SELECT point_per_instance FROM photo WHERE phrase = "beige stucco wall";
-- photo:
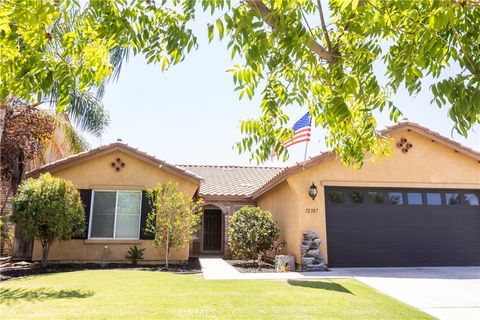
(282, 202)
(427, 165)
(106, 251)
(97, 173)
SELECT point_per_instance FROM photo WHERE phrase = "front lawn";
(127, 294)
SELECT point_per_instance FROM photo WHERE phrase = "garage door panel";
(403, 234)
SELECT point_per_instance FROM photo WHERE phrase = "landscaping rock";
(312, 259)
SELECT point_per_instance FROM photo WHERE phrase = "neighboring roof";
(231, 182)
(405, 125)
(83, 156)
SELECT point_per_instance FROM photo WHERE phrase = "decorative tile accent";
(404, 145)
(118, 164)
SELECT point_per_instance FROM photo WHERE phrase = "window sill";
(112, 241)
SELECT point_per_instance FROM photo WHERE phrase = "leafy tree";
(61, 52)
(252, 232)
(174, 219)
(48, 209)
(32, 137)
(307, 53)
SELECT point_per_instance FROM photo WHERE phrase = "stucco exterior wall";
(282, 202)
(105, 251)
(427, 165)
(97, 173)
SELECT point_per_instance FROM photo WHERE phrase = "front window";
(116, 214)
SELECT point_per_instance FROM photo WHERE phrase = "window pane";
(128, 212)
(103, 214)
(355, 197)
(434, 199)
(452, 198)
(335, 197)
(395, 198)
(471, 199)
(375, 197)
(414, 198)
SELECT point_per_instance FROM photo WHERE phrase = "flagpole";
(305, 156)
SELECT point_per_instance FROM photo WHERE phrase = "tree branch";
(470, 64)
(266, 15)
(324, 26)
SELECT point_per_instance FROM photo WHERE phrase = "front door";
(212, 230)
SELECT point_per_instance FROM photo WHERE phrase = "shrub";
(48, 209)
(134, 254)
(252, 233)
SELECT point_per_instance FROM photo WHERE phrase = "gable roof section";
(406, 125)
(115, 146)
(231, 182)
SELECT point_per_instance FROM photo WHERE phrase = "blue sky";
(190, 113)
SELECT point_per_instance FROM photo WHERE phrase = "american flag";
(301, 130)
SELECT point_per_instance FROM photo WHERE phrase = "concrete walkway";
(447, 293)
(218, 269)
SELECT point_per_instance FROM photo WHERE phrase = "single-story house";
(417, 207)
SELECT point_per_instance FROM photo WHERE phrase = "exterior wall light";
(313, 191)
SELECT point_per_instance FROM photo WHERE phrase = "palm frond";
(72, 141)
(88, 113)
(118, 56)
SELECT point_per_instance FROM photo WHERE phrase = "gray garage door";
(402, 227)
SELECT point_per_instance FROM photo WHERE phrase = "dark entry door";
(402, 227)
(212, 230)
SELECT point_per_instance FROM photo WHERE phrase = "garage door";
(402, 227)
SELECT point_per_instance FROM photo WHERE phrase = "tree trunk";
(167, 249)
(45, 249)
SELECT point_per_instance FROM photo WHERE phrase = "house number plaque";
(311, 210)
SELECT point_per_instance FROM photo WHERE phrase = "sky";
(190, 114)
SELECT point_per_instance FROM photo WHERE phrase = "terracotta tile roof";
(231, 181)
(118, 145)
(404, 125)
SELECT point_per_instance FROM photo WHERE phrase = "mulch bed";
(251, 266)
(25, 269)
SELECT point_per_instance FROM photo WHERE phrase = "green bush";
(134, 254)
(252, 233)
(48, 209)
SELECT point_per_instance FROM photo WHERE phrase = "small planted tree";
(174, 219)
(48, 209)
(252, 233)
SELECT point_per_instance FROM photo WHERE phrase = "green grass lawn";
(123, 294)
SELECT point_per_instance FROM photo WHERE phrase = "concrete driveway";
(443, 292)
